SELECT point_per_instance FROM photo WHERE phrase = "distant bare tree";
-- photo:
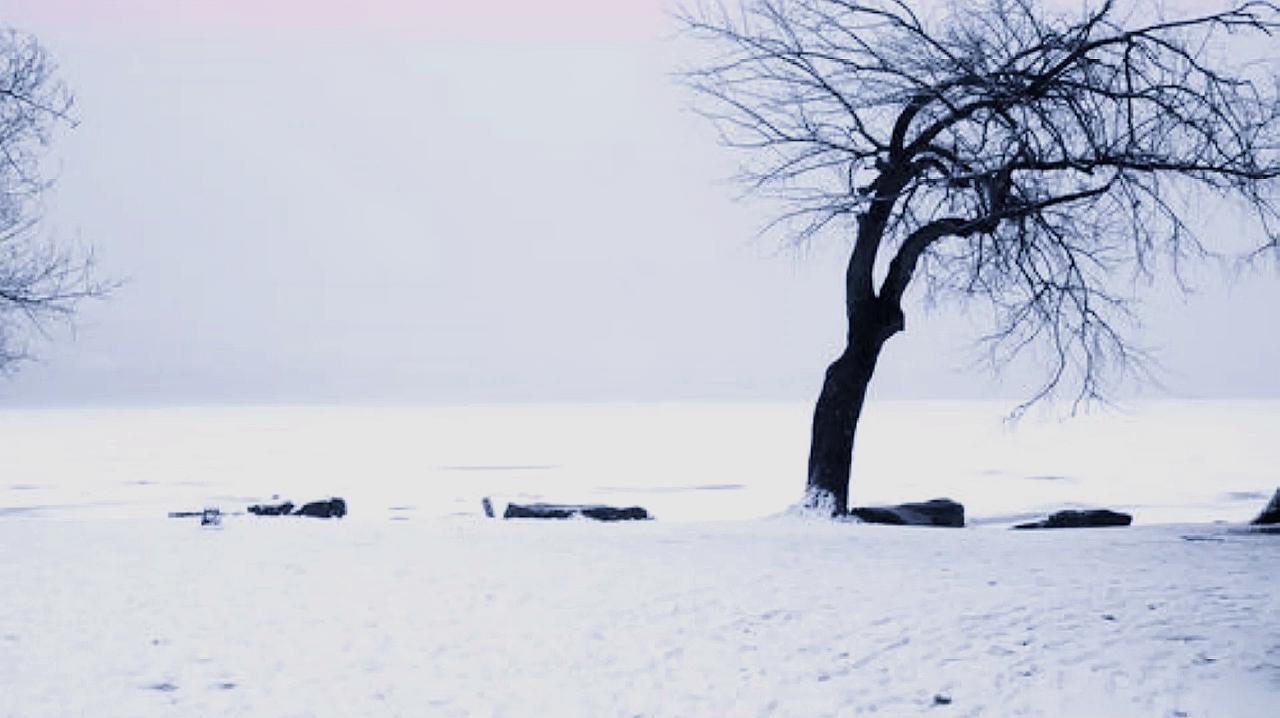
(994, 151)
(39, 281)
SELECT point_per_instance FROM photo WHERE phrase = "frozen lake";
(1165, 462)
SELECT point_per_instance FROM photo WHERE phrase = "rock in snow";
(281, 509)
(936, 512)
(1080, 519)
(564, 511)
(334, 508)
(1271, 514)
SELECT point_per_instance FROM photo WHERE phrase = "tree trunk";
(872, 320)
(835, 418)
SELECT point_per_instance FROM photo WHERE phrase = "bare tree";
(39, 281)
(994, 151)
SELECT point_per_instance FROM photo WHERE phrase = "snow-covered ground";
(466, 617)
(417, 606)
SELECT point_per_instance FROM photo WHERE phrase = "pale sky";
(460, 202)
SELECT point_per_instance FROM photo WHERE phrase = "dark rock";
(564, 511)
(611, 513)
(334, 508)
(936, 512)
(487, 505)
(1080, 519)
(281, 509)
(1271, 514)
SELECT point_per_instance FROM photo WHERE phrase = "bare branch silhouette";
(997, 152)
(40, 282)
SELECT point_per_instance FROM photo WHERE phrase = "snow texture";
(475, 617)
(417, 605)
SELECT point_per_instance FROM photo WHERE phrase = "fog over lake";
(421, 206)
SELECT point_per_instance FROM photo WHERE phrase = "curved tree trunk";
(872, 320)
(835, 418)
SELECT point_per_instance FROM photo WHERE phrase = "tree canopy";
(40, 281)
(1013, 154)
(997, 151)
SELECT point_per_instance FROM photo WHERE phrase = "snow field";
(778, 617)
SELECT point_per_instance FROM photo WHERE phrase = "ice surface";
(1162, 462)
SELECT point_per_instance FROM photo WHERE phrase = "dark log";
(1080, 519)
(281, 509)
(208, 517)
(565, 511)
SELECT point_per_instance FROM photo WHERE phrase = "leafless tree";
(996, 151)
(39, 281)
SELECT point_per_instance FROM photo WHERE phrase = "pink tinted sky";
(504, 16)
